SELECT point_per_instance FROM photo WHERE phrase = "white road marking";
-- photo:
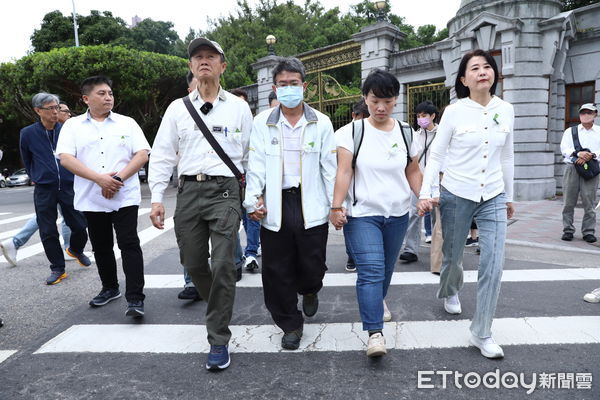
(5, 213)
(404, 278)
(4, 354)
(16, 219)
(134, 338)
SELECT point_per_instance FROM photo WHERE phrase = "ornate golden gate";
(325, 92)
(436, 92)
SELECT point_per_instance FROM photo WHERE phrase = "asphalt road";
(36, 315)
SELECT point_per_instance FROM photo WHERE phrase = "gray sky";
(19, 18)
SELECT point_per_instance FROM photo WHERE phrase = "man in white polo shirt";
(208, 199)
(105, 151)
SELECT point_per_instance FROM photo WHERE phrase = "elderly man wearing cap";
(573, 184)
(208, 198)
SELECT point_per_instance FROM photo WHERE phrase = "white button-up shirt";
(292, 150)
(588, 138)
(180, 142)
(104, 147)
(475, 145)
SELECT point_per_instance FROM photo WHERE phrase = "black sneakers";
(291, 340)
(310, 304)
(81, 258)
(408, 257)
(135, 309)
(105, 296)
(589, 238)
(567, 236)
(189, 293)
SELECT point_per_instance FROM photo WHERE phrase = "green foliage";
(144, 83)
(573, 4)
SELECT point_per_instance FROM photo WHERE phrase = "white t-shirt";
(381, 185)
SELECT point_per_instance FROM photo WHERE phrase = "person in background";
(474, 142)
(273, 102)
(64, 113)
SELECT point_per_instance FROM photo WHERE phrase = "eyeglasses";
(66, 111)
(50, 108)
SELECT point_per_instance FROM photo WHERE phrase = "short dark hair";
(289, 64)
(240, 93)
(188, 77)
(63, 102)
(361, 108)
(89, 83)
(426, 107)
(272, 96)
(382, 84)
(461, 90)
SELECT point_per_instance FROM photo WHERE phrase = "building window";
(497, 54)
(577, 95)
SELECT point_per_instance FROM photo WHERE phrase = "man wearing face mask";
(426, 112)
(573, 184)
(291, 173)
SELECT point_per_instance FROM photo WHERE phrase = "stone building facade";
(549, 61)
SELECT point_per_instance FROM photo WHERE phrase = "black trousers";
(293, 262)
(45, 199)
(124, 221)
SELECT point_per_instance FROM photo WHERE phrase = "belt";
(292, 190)
(201, 177)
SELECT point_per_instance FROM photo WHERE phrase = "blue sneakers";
(218, 358)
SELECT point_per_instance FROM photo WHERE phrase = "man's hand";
(586, 155)
(107, 183)
(157, 215)
(423, 206)
(510, 210)
(107, 194)
(580, 161)
(260, 211)
(338, 218)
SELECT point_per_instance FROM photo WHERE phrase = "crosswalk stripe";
(30, 251)
(4, 354)
(5, 213)
(16, 219)
(404, 278)
(136, 338)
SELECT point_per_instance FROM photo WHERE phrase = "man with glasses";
(291, 173)
(53, 187)
(64, 113)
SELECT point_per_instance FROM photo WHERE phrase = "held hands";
(109, 185)
(426, 205)
(338, 218)
(157, 215)
(510, 210)
(260, 211)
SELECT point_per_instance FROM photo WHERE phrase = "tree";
(573, 4)
(144, 84)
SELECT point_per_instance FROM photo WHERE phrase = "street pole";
(75, 25)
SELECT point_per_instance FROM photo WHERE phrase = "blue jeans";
(427, 223)
(252, 229)
(457, 214)
(374, 244)
(31, 227)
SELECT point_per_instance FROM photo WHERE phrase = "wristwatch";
(117, 177)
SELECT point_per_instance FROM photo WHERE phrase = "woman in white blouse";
(475, 143)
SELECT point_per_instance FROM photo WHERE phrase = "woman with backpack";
(474, 142)
(377, 169)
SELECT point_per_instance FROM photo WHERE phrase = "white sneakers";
(428, 239)
(592, 297)
(452, 305)
(9, 251)
(387, 315)
(488, 346)
(376, 345)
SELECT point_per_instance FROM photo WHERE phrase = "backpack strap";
(576, 143)
(408, 138)
(357, 136)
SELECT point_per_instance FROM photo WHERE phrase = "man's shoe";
(589, 238)
(135, 309)
(408, 257)
(310, 304)
(291, 340)
(567, 236)
(9, 251)
(387, 315)
(593, 296)
(350, 266)
(488, 346)
(189, 293)
(81, 258)
(250, 264)
(452, 305)
(238, 274)
(428, 239)
(104, 297)
(55, 277)
(259, 251)
(218, 358)
(472, 242)
(376, 345)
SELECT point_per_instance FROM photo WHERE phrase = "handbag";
(241, 178)
(590, 169)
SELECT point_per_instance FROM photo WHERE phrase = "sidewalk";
(539, 224)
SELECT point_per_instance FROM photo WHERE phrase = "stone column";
(263, 67)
